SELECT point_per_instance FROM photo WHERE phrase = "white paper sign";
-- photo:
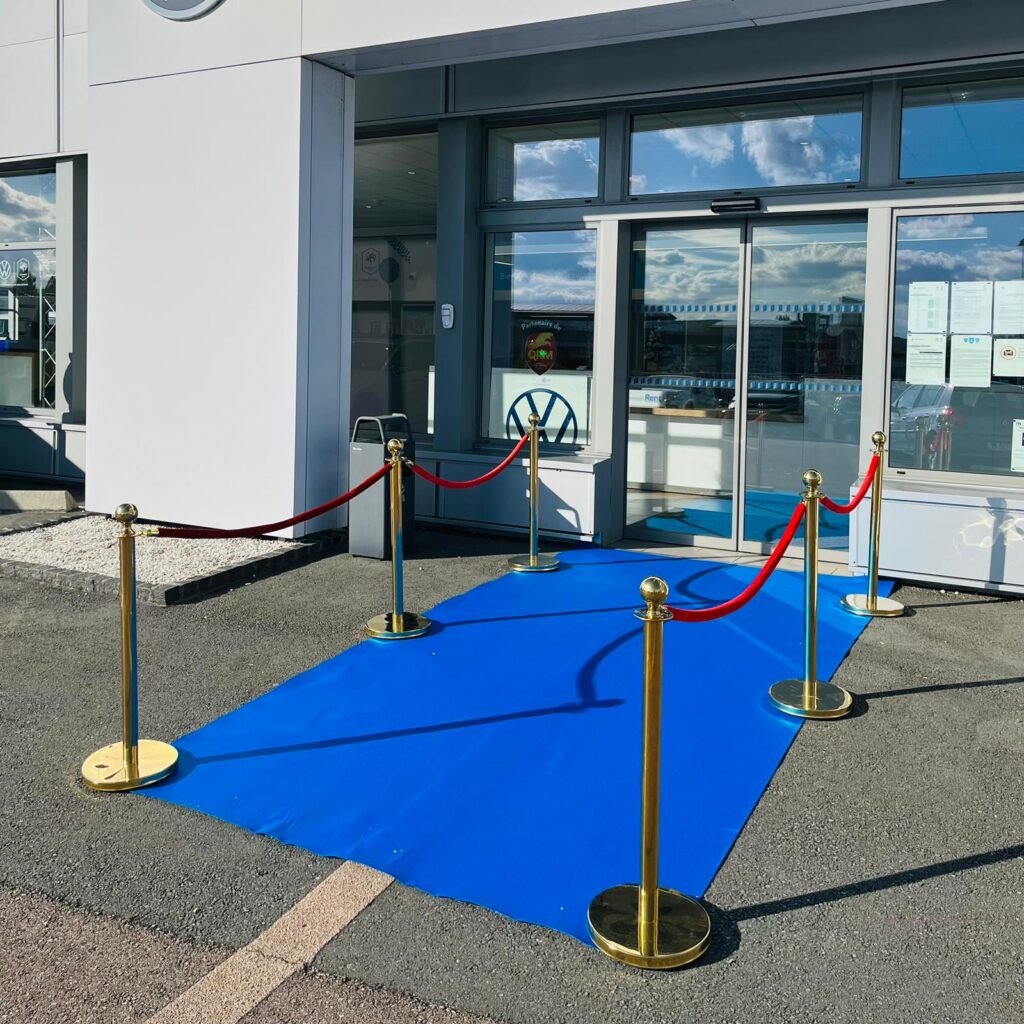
(971, 307)
(1009, 308)
(970, 361)
(926, 358)
(1008, 357)
(1017, 447)
(928, 307)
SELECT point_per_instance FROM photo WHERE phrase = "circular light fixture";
(181, 10)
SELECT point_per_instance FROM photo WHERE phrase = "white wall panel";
(25, 21)
(28, 109)
(128, 40)
(194, 198)
(75, 89)
(76, 16)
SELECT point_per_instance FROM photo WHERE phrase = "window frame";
(948, 481)
(855, 88)
(961, 78)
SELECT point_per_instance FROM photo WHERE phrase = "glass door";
(684, 315)
(745, 356)
(804, 357)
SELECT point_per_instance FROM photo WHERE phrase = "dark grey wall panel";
(852, 43)
(400, 94)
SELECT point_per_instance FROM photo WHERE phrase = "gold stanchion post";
(871, 604)
(397, 624)
(534, 561)
(132, 762)
(644, 925)
(809, 697)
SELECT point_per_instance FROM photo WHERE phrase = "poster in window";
(970, 361)
(971, 307)
(1017, 447)
(928, 307)
(1008, 316)
(1008, 358)
(926, 358)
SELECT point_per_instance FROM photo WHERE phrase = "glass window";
(548, 161)
(541, 334)
(970, 128)
(957, 399)
(28, 327)
(796, 142)
(395, 278)
(28, 207)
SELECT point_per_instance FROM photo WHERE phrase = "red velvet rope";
(258, 531)
(718, 611)
(865, 486)
(460, 485)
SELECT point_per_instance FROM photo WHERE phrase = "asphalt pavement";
(880, 878)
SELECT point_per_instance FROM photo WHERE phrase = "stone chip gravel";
(89, 544)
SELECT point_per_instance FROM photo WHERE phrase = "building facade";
(712, 244)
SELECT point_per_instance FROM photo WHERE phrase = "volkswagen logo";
(181, 10)
(6, 270)
(556, 416)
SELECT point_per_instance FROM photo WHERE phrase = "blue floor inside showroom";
(497, 760)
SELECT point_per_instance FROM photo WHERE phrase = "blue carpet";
(497, 760)
(767, 513)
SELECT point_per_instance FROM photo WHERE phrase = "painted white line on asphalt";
(246, 978)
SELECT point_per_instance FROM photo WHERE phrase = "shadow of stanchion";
(911, 691)
(878, 884)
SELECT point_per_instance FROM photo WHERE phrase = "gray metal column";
(457, 372)
(69, 401)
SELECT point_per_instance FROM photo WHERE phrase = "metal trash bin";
(369, 528)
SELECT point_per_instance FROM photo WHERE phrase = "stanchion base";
(106, 769)
(522, 563)
(885, 607)
(380, 626)
(832, 701)
(684, 928)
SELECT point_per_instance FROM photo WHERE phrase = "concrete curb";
(186, 591)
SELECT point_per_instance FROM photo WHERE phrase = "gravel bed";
(89, 545)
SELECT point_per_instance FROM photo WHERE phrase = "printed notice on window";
(928, 307)
(1017, 447)
(1008, 357)
(970, 361)
(1009, 308)
(926, 358)
(971, 307)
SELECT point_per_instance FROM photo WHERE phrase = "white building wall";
(28, 78)
(204, 323)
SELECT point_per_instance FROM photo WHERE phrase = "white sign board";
(971, 307)
(970, 361)
(1017, 447)
(561, 398)
(1009, 308)
(1008, 357)
(926, 358)
(928, 307)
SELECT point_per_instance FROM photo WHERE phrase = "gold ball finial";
(534, 419)
(126, 513)
(396, 445)
(654, 590)
(812, 479)
(878, 439)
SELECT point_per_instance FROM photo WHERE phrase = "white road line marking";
(246, 978)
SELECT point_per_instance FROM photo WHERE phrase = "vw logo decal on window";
(181, 10)
(557, 416)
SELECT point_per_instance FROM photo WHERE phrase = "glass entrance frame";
(760, 378)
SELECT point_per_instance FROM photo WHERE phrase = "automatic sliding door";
(804, 366)
(684, 310)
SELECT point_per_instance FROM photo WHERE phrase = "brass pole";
(398, 624)
(809, 697)
(872, 605)
(534, 561)
(132, 762)
(129, 648)
(644, 925)
(654, 627)
(812, 502)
